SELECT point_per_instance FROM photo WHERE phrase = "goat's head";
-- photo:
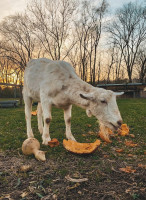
(102, 104)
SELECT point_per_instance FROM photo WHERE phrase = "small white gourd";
(32, 146)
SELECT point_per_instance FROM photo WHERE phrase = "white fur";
(55, 83)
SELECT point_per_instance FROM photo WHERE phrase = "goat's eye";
(103, 101)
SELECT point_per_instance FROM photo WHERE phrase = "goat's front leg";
(28, 109)
(46, 108)
(40, 118)
(67, 118)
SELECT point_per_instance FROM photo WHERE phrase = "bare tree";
(17, 43)
(128, 30)
(88, 30)
(141, 65)
(52, 22)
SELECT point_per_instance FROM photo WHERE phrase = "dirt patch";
(46, 180)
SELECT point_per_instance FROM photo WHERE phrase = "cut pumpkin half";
(81, 148)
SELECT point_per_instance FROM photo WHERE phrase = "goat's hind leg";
(28, 109)
(40, 118)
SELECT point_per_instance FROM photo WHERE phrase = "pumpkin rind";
(105, 135)
(80, 148)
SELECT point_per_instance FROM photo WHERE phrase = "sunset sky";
(9, 7)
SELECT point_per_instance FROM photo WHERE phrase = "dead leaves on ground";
(130, 143)
(119, 150)
(127, 169)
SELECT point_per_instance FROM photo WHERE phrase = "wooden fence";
(15, 86)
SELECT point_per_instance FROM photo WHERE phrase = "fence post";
(15, 92)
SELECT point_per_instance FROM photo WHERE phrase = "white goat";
(55, 83)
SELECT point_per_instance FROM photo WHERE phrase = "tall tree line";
(73, 31)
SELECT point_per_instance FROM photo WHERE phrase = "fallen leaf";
(76, 180)
(119, 150)
(33, 113)
(25, 168)
(130, 143)
(53, 143)
(130, 155)
(7, 196)
(24, 194)
(106, 156)
(91, 133)
(141, 165)
(74, 186)
(84, 135)
(132, 135)
(127, 169)
(144, 152)
(89, 125)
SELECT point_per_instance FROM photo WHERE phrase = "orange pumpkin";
(124, 130)
(104, 135)
(81, 148)
(53, 143)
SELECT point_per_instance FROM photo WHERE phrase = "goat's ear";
(119, 93)
(87, 96)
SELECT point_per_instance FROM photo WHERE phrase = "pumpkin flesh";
(81, 148)
(124, 130)
(104, 134)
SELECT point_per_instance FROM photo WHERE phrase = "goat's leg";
(67, 119)
(40, 118)
(28, 109)
(46, 108)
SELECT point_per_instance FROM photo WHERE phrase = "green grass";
(13, 127)
(102, 168)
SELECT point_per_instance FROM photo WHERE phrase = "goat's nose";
(119, 122)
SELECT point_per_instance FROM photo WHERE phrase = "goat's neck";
(78, 87)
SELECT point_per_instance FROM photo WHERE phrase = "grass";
(13, 128)
(101, 168)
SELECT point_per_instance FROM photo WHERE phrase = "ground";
(103, 169)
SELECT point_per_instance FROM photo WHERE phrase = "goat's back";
(42, 72)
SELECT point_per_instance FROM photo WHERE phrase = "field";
(47, 180)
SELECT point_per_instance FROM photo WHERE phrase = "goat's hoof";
(71, 138)
(45, 141)
(30, 135)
